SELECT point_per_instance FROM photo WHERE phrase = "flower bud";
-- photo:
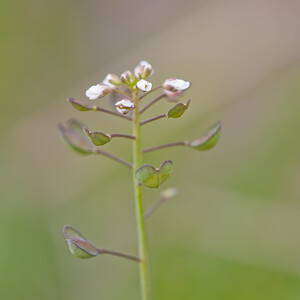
(127, 77)
(97, 91)
(143, 69)
(174, 84)
(144, 86)
(111, 80)
(173, 96)
(124, 106)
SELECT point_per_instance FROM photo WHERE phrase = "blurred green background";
(233, 230)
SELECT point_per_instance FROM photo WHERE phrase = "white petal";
(126, 103)
(93, 92)
(106, 81)
(144, 85)
(174, 84)
(124, 106)
(181, 85)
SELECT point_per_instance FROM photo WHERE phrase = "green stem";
(141, 231)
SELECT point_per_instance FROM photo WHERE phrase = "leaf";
(97, 138)
(78, 245)
(209, 139)
(73, 135)
(79, 105)
(178, 110)
(150, 177)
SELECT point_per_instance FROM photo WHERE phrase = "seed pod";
(77, 243)
(209, 139)
(79, 105)
(152, 177)
(73, 135)
(178, 110)
(97, 138)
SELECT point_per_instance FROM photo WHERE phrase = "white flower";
(97, 91)
(124, 106)
(143, 69)
(174, 84)
(111, 80)
(144, 85)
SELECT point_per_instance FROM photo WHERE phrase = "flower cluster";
(135, 81)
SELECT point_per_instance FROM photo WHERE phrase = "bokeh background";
(233, 230)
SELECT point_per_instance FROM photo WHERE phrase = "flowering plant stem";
(141, 230)
(85, 141)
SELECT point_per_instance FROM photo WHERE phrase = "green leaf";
(79, 105)
(178, 110)
(209, 139)
(73, 135)
(77, 243)
(150, 177)
(98, 138)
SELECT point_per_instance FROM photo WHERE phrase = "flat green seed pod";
(150, 177)
(165, 171)
(209, 139)
(79, 105)
(97, 138)
(178, 110)
(147, 176)
(78, 245)
(73, 135)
